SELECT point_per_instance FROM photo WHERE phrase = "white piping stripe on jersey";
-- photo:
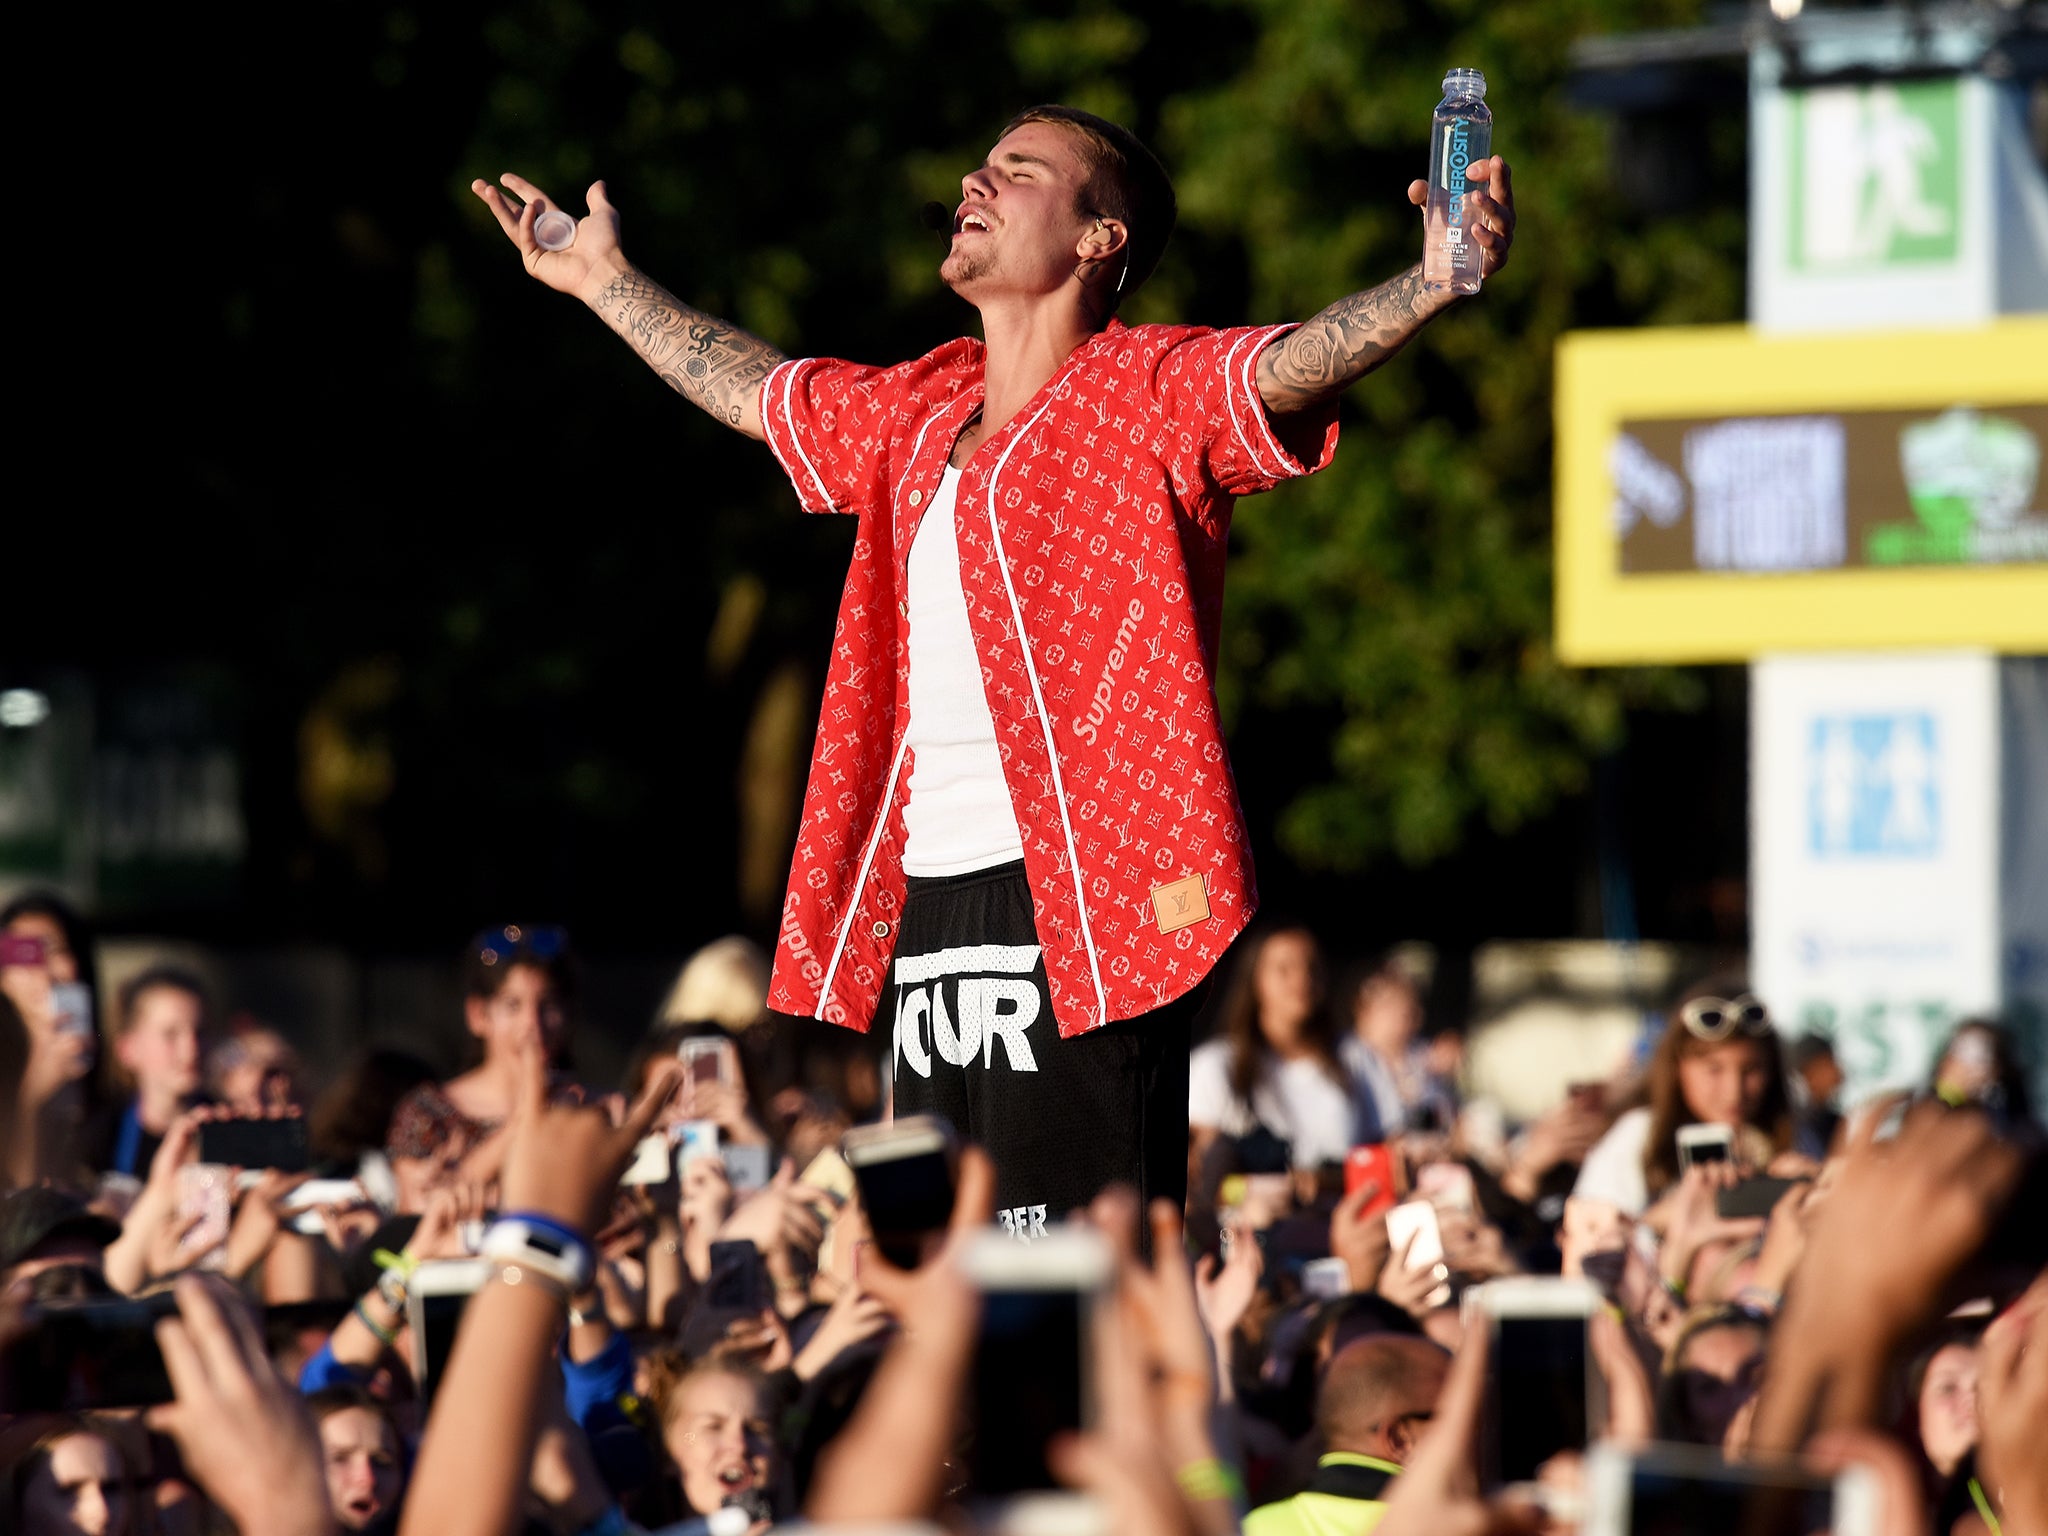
(968, 960)
(1230, 385)
(915, 449)
(860, 880)
(789, 425)
(1052, 755)
(1258, 404)
(766, 412)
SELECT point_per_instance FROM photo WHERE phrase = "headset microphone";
(935, 217)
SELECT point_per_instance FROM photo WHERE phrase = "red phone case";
(1372, 1164)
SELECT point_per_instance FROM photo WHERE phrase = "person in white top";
(1719, 1063)
(1408, 1088)
(1274, 1063)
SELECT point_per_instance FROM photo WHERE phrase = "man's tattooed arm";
(1344, 343)
(706, 361)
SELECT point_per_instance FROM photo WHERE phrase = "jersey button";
(917, 498)
(881, 930)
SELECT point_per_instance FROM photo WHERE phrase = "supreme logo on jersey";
(972, 1003)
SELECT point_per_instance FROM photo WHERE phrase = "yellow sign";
(1722, 494)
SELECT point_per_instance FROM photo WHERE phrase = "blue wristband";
(549, 1225)
(544, 1245)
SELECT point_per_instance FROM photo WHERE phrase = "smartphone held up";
(102, 1353)
(1033, 1365)
(905, 1172)
(1417, 1240)
(436, 1294)
(1685, 1490)
(1700, 1144)
(274, 1141)
(707, 1061)
(1545, 1394)
(1372, 1163)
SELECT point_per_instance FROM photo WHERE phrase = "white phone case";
(439, 1277)
(653, 1161)
(1416, 1219)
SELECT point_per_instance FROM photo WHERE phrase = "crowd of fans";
(1283, 1355)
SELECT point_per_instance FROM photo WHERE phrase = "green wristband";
(1207, 1479)
(385, 1336)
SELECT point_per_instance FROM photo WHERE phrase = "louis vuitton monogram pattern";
(1091, 530)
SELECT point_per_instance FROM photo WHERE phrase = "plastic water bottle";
(1460, 134)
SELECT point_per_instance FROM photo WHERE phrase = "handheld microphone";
(936, 217)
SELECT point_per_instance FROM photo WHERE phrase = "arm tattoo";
(1343, 344)
(709, 363)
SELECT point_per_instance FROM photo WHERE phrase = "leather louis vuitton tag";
(1180, 903)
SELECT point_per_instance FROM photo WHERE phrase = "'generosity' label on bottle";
(1457, 155)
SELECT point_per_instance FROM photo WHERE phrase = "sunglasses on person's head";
(514, 941)
(1716, 1018)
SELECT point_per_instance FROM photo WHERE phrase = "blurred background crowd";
(1295, 1337)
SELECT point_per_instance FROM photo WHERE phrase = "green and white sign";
(1892, 181)
(1876, 175)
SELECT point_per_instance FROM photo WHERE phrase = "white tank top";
(958, 817)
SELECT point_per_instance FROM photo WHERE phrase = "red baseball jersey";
(1091, 529)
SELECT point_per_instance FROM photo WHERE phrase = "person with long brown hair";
(1719, 1063)
(1273, 1063)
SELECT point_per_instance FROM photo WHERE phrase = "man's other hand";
(581, 269)
(1492, 211)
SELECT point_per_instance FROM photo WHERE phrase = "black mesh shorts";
(973, 1039)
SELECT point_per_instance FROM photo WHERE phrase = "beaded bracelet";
(1759, 1299)
(385, 1336)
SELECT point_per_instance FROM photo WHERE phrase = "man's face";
(718, 1439)
(161, 1047)
(364, 1476)
(1019, 228)
(525, 1008)
(1823, 1079)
